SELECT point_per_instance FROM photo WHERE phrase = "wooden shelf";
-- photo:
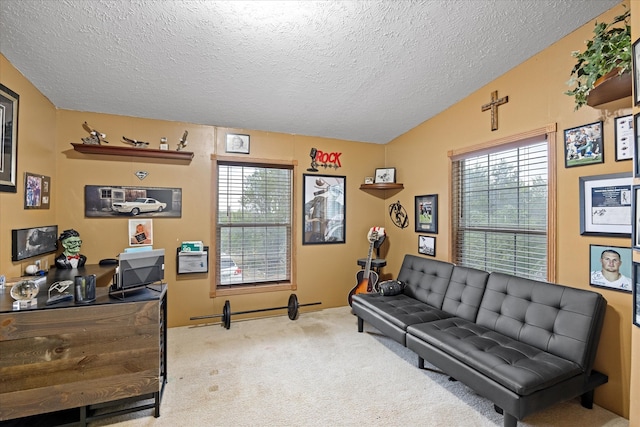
(611, 89)
(386, 186)
(132, 152)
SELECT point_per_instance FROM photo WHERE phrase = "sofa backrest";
(425, 279)
(558, 319)
(465, 291)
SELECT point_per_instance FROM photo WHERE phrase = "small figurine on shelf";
(95, 138)
(135, 142)
(70, 256)
(183, 142)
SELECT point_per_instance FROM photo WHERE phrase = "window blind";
(500, 207)
(253, 226)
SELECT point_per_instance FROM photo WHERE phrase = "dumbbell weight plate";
(226, 315)
(292, 307)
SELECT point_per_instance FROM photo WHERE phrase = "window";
(501, 208)
(253, 226)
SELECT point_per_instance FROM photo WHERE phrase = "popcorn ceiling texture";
(357, 70)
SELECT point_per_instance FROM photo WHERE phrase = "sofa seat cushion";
(400, 310)
(520, 367)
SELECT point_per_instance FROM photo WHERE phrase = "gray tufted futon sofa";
(523, 344)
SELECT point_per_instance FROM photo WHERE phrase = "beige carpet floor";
(319, 371)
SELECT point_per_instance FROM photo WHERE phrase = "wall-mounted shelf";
(132, 152)
(384, 186)
(611, 89)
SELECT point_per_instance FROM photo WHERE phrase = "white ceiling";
(357, 70)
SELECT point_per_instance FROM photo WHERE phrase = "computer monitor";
(138, 269)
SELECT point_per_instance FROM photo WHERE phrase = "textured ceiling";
(356, 70)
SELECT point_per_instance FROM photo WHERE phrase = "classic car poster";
(115, 201)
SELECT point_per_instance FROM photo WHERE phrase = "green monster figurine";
(70, 256)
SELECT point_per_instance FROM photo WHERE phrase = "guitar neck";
(367, 266)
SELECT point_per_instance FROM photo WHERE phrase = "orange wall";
(326, 272)
(535, 90)
(36, 145)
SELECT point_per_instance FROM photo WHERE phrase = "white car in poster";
(141, 204)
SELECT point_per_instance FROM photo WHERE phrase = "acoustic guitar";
(366, 279)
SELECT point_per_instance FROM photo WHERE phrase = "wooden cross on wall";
(493, 106)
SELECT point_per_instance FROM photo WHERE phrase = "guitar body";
(365, 285)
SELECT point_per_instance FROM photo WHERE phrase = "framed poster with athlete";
(610, 267)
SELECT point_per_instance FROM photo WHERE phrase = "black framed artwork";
(9, 139)
(635, 217)
(605, 205)
(610, 267)
(37, 191)
(426, 213)
(636, 294)
(31, 242)
(624, 135)
(636, 72)
(427, 245)
(583, 145)
(636, 145)
(324, 206)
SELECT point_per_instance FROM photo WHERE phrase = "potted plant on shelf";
(607, 55)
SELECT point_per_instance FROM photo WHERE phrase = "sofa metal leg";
(420, 362)
(586, 400)
(510, 420)
(360, 325)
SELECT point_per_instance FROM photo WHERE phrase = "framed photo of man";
(426, 213)
(636, 294)
(583, 145)
(610, 267)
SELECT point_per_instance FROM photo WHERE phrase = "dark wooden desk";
(67, 356)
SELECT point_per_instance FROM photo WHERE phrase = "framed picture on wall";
(237, 143)
(635, 217)
(426, 213)
(636, 72)
(427, 245)
(324, 207)
(605, 205)
(625, 142)
(30, 242)
(37, 189)
(610, 267)
(9, 137)
(583, 145)
(636, 145)
(636, 294)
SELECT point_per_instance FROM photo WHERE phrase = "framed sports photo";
(426, 213)
(610, 267)
(605, 205)
(583, 145)
(427, 245)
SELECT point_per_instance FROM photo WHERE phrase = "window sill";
(252, 289)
